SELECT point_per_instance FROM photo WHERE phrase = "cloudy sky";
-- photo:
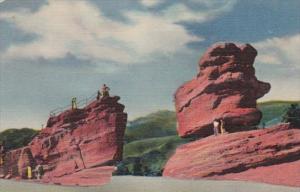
(52, 50)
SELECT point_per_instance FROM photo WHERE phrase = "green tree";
(292, 115)
(15, 138)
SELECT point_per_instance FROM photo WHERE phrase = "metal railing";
(80, 104)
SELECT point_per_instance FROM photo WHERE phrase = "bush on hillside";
(158, 124)
(292, 115)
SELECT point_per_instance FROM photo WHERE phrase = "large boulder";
(256, 155)
(77, 144)
(225, 88)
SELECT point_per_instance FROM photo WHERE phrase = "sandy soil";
(148, 184)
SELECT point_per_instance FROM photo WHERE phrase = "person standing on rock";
(74, 103)
(216, 125)
(105, 91)
(29, 172)
(39, 170)
(98, 95)
(222, 126)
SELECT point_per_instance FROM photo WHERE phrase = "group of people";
(104, 92)
(38, 172)
(219, 126)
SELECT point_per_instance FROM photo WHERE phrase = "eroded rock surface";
(225, 88)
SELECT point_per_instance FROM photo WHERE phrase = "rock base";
(258, 155)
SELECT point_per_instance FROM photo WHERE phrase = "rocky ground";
(149, 184)
(257, 155)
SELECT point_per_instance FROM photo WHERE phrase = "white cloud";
(66, 27)
(280, 51)
(77, 27)
(150, 34)
(210, 10)
(151, 3)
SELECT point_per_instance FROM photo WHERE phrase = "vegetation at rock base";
(149, 154)
(15, 138)
(292, 115)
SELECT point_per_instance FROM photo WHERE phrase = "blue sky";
(52, 50)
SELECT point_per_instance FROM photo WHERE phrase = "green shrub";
(292, 115)
(15, 138)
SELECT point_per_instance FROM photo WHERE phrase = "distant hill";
(15, 138)
(158, 124)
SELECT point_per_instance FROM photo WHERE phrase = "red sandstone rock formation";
(225, 87)
(79, 147)
(258, 155)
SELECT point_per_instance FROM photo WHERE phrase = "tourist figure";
(216, 125)
(29, 172)
(105, 91)
(74, 103)
(39, 171)
(222, 126)
(98, 95)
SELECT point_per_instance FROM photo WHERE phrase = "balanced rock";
(225, 88)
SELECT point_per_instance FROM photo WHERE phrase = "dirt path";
(149, 184)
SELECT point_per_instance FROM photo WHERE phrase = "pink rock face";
(257, 155)
(16, 162)
(81, 140)
(87, 177)
(280, 174)
(225, 88)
